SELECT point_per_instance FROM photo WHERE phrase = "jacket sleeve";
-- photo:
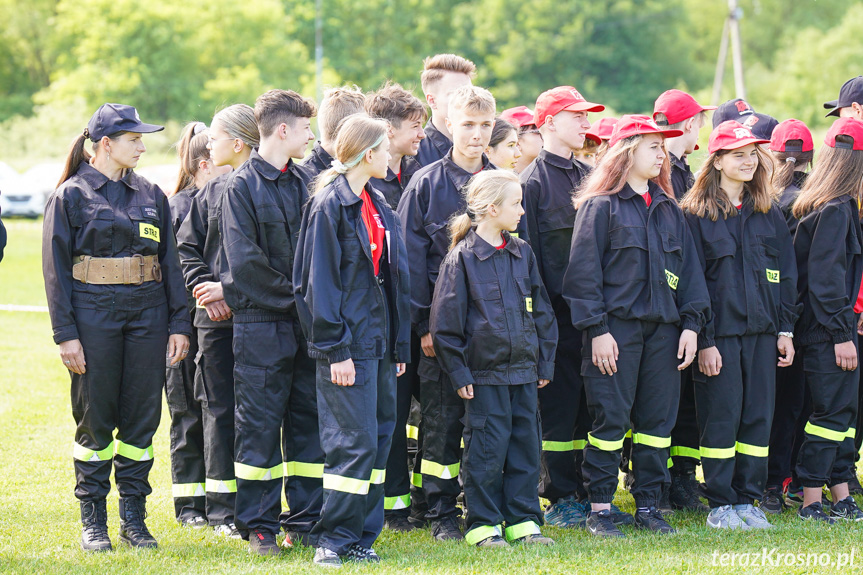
(583, 279)
(403, 297)
(693, 299)
(246, 262)
(191, 239)
(57, 269)
(411, 212)
(707, 334)
(544, 320)
(530, 191)
(449, 319)
(179, 320)
(319, 295)
(833, 308)
(789, 308)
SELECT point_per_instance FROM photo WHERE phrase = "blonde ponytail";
(487, 188)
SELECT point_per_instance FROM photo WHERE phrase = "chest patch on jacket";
(772, 276)
(151, 212)
(528, 304)
(148, 231)
(671, 279)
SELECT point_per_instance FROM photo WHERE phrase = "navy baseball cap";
(112, 118)
(851, 91)
(761, 125)
(736, 109)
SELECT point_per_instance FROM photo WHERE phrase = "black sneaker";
(815, 512)
(772, 501)
(263, 542)
(493, 542)
(446, 529)
(854, 487)
(619, 517)
(361, 554)
(602, 524)
(846, 509)
(400, 523)
(664, 504)
(133, 530)
(652, 520)
(326, 558)
(94, 519)
(683, 493)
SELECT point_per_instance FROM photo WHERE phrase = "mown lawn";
(39, 522)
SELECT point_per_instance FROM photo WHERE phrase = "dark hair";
(78, 154)
(785, 165)
(280, 107)
(395, 104)
(501, 130)
(192, 149)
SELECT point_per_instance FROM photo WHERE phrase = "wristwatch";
(787, 334)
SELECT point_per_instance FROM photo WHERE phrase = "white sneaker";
(724, 517)
(752, 517)
(227, 530)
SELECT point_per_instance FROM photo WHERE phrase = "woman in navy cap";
(117, 302)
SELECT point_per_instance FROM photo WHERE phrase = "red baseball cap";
(789, 131)
(678, 106)
(730, 135)
(519, 116)
(635, 124)
(845, 127)
(556, 100)
(601, 129)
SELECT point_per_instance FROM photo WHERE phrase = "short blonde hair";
(336, 105)
(435, 67)
(472, 99)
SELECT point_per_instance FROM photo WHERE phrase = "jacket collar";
(656, 193)
(96, 179)
(322, 155)
(437, 138)
(484, 250)
(557, 161)
(343, 191)
(678, 162)
(459, 175)
(266, 169)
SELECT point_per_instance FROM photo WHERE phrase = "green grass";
(40, 529)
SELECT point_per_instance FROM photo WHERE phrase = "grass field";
(40, 528)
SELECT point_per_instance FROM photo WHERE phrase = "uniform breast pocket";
(719, 248)
(438, 233)
(559, 218)
(487, 302)
(770, 253)
(524, 288)
(628, 247)
(145, 233)
(93, 227)
(274, 231)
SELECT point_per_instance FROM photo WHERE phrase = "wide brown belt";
(133, 270)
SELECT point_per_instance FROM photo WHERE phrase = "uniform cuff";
(402, 353)
(842, 336)
(339, 355)
(545, 370)
(65, 333)
(597, 330)
(691, 324)
(181, 326)
(461, 377)
(705, 342)
(422, 328)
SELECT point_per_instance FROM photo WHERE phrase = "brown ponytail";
(192, 149)
(77, 154)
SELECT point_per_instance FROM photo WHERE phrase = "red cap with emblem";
(730, 135)
(637, 124)
(556, 100)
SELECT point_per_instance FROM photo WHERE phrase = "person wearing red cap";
(442, 75)
(792, 149)
(547, 184)
(677, 110)
(634, 286)
(529, 138)
(828, 247)
(746, 254)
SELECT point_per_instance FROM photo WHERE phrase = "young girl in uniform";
(503, 150)
(747, 257)
(828, 245)
(634, 288)
(495, 335)
(352, 294)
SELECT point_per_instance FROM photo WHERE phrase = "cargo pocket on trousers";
(476, 454)
(250, 384)
(175, 392)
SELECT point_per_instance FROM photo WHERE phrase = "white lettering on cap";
(137, 117)
(576, 95)
(741, 133)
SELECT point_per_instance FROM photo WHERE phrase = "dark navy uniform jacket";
(829, 265)
(180, 204)
(548, 184)
(681, 176)
(260, 221)
(392, 187)
(90, 215)
(751, 273)
(435, 193)
(318, 161)
(434, 146)
(199, 244)
(788, 197)
(491, 319)
(346, 311)
(635, 263)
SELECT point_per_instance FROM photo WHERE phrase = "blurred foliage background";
(178, 61)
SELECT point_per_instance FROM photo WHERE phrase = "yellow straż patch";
(528, 303)
(671, 279)
(772, 276)
(149, 231)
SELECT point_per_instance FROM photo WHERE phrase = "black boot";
(133, 530)
(683, 493)
(94, 518)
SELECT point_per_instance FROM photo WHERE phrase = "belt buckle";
(140, 259)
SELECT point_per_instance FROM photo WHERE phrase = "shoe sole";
(612, 535)
(127, 541)
(265, 552)
(99, 549)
